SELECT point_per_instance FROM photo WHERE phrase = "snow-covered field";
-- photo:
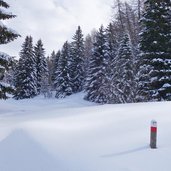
(75, 135)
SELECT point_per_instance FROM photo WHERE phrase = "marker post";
(153, 135)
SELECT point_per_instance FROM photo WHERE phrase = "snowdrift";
(75, 135)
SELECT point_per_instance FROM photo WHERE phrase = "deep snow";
(75, 135)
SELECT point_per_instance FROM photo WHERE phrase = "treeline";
(128, 61)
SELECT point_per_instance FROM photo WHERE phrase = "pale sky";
(54, 21)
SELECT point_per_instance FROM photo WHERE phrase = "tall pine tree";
(63, 80)
(41, 65)
(112, 43)
(155, 46)
(125, 75)
(88, 46)
(26, 81)
(55, 59)
(77, 62)
(96, 87)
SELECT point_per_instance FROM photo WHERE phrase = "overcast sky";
(54, 21)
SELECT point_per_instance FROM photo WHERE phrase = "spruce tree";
(6, 35)
(50, 64)
(77, 62)
(55, 59)
(41, 65)
(111, 40)
(26, 82)
(112, 43)
(9, 75)
(88, 46)
(63, 80)
(125, 76)
(5, 64)
(155, 46)
(96, 81)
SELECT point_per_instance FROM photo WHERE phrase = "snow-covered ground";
(75, 135)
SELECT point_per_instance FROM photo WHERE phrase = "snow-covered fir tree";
(77, 61)
(26, 81)
(112, 43)
(6, 35)
(63, 80)
(96, 86)
(111, 40)
(5, 64)
(50, 64)
(55, 59)
(125, 75)
(155, 46)
(88, 46)
(10, 74)
(41, 65)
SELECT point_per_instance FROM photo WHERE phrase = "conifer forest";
(127, 61)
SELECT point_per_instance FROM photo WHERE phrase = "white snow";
(2, 67)
(12, 31)
(166, 85)
(2, 11)
(1, 24)
(4, 56)
(4, 84)
(75, 135)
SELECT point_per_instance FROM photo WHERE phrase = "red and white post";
(153, 135)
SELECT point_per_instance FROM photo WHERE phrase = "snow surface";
(4, 56)
(75, 135)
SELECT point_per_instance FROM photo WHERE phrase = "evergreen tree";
(88, 46)
(96, 81)
(50, 64)
(125, 76)
(41, 65)
(155, 46)
(9, 74)
(77, 62)
(111, 40)
(26, 82)
(5, 62)
(63, 80)
(55, 60)
(6, 35)
(112, 43)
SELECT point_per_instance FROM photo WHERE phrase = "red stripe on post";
(153, 129)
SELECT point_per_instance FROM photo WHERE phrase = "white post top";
(154, 123)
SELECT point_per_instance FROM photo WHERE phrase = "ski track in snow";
(75, 135)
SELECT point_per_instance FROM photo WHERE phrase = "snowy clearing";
(75, 135)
